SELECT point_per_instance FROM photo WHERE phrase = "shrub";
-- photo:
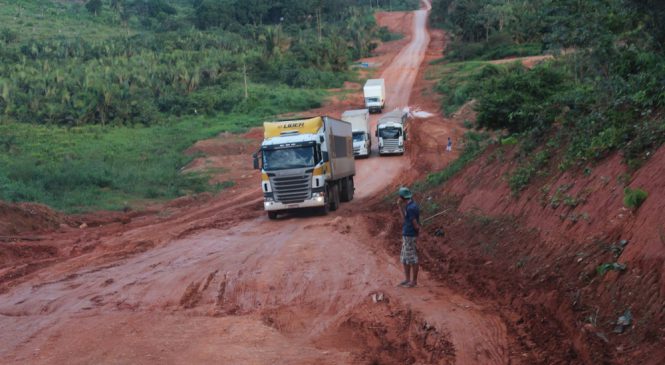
(385, 35)
(518, 99)
(633, 198)
(523, 174)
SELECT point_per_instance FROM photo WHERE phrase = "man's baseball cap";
(405, 193)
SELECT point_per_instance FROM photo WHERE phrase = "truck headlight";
(318, 197)
(265, 186)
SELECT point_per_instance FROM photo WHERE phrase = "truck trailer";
(375, 95)
(391, 132)
(362, 141)
(306, 163)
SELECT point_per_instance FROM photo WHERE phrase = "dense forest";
(605, 90)
(175, 57)
(98, 99)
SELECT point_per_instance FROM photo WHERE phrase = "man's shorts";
(409, 255)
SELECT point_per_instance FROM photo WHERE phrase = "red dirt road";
(220, 283)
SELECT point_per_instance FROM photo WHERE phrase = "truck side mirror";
(376, 133)
(256, 161)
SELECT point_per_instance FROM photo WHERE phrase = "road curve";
(375, 173)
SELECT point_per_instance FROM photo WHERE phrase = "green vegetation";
(526, 172)
(474, 145)
(385, 35)
(602, 269)
(485, 30)
(606, 95)
(460, 82)
(93, 166)
(99, 99)
(518, 99)
(633, 198)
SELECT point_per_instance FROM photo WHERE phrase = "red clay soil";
(27, 217)
(538, 255)
(209, 279)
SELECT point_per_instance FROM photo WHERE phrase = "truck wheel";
(344, 196)
(347, 189)
(334, 197)
(272, 215)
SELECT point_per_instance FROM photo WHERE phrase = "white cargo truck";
(391, 132)
(375, 95)
(362, 141)
(306, 163)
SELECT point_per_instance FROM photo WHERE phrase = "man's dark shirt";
(412, 212)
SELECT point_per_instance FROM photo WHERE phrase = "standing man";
(449, 146)
(410, 212)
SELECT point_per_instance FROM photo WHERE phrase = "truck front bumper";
(361, 152)
(385, 151)
(314, 202)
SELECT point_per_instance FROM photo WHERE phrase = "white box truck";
(391, 132)
(362, 142)
(306, 163)
(375, 95)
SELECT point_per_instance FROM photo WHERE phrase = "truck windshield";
(288, 158)
(359, 136)
(390, 132)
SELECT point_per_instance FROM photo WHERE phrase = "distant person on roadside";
(449, 146)
(410, 212)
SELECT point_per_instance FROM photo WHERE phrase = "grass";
(633, 198)
(93, 167)
(458, 82)
(474, 146)
(48, 19)
(523, 175)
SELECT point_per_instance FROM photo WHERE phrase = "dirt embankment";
(543, 255)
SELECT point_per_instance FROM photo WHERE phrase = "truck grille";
(356, 150)
(390, 144)
(292, 189)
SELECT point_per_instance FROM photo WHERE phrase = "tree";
(94, 6)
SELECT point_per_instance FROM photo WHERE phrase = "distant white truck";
(391, 132)
(375, 95)
(362, 142)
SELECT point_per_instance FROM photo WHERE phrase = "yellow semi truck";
(306, 163)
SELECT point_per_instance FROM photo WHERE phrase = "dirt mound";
(382, 332)
(20, 218)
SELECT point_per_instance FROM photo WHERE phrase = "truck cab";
(362, 144)
(305, 164)
(362, 141)
(391, 132)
